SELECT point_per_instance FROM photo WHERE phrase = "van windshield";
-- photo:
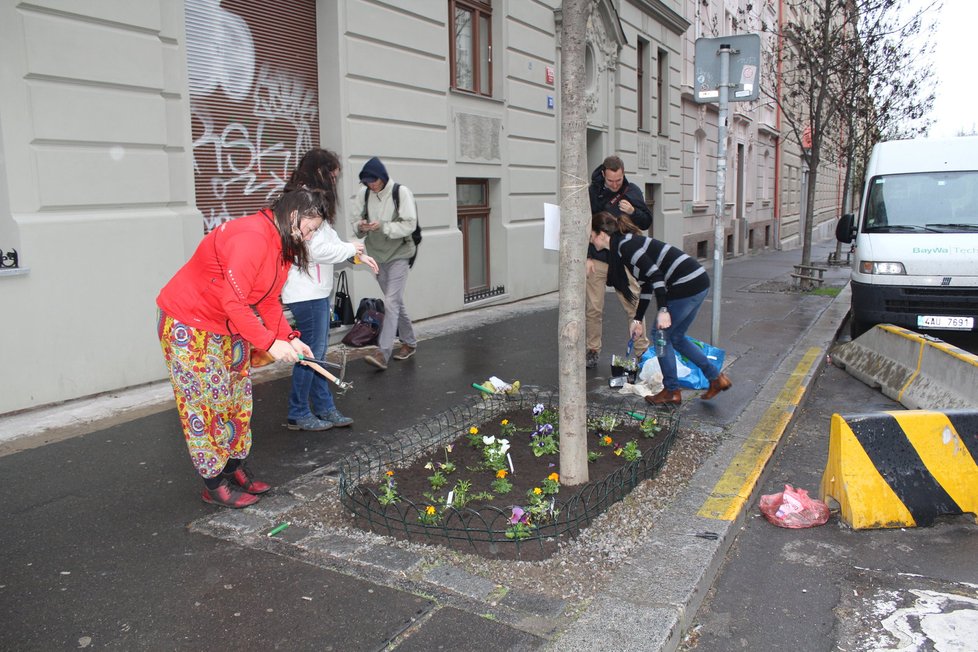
(945, 202)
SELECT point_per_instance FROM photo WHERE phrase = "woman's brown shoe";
(719, 384)
(665, 397)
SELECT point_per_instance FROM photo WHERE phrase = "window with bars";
(473, 221)
(471, 46)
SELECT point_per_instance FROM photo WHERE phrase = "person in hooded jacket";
(387, 236)
(306, 292)
(612, 193)
(679, 284)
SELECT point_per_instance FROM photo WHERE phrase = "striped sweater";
(661, 269)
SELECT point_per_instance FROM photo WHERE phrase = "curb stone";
(655, 594)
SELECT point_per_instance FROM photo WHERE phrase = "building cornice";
(767, 129)
(658, 10)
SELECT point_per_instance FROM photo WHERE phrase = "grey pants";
(393, 278)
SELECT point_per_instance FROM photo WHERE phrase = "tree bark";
(574, 229)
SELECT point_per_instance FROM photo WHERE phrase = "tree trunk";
(574, 229)
(809, 216)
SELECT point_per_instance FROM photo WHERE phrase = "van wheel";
(857, 327)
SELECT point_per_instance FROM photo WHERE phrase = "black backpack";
(396, 195)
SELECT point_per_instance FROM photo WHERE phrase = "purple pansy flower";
(519, 516)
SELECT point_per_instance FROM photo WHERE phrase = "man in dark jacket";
(610, 191)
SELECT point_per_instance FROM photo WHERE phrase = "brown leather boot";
(719, 384)
(665, 397)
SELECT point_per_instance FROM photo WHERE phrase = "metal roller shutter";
(254, 100)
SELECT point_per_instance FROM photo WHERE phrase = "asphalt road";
(831, 587)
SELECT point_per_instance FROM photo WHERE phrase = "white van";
(915, 262)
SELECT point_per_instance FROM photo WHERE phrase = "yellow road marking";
(734, 487)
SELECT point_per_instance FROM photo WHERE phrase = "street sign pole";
(719, 247)
(715, 67)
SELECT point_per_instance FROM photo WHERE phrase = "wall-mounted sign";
(550, 75)
(550, 101)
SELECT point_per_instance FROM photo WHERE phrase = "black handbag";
(366, 330)
(342, 304)
(376, 305)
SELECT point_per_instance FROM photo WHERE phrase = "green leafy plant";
(628, 364)
(388, 493)
(519, 531)
(494, 452)
(460, 496)
(594, 456)
(540, 507)
(649, 426)
(437, 479)
(475, 439)
(629, 451)
(543, 441)
(506, 429)
(605, 441)
(429, 516)
(551, 485)
(501, 485)
(448, 467)
(606, 423)
(519, 524)
(542, 415)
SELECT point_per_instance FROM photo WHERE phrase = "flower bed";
(484, 477)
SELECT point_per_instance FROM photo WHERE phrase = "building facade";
(764, 188)
(127, 130)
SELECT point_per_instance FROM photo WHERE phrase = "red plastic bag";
(794, 508)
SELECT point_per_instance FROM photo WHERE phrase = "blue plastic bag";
(689, 375)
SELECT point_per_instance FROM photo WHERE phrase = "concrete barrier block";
(902, 469)
(918, 371)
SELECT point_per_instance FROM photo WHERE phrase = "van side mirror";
(845, 229)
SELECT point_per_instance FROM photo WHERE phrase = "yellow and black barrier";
(902, 468)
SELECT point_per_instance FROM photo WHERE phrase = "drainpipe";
(777, 142)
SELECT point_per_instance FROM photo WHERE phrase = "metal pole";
(719, 246)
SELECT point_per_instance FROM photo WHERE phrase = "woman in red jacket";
(208, 325)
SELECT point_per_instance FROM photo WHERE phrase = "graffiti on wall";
(252, 114)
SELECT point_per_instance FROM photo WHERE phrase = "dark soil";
(479, 526)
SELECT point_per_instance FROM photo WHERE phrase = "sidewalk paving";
(102, 495)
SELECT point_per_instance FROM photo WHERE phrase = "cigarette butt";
(278, 528)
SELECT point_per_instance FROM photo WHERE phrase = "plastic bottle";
(659, 341)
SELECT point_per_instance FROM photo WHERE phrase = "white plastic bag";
(651, 373)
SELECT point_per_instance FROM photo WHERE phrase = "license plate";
(952, 323)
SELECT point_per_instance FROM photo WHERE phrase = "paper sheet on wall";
(551, 227)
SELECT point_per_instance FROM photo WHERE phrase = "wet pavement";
(831, 587)
(107, 544)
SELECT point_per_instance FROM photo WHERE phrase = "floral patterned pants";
(212, 386)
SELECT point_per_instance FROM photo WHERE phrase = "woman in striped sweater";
(679, 284)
